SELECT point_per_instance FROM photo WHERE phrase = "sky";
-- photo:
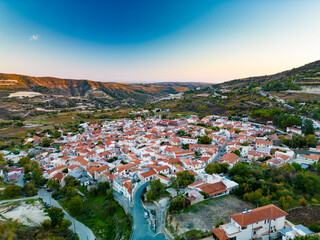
(157, 40)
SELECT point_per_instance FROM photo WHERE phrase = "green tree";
(29, 189)
(204, 140)
(75, 205)
(179, 204)
(56, 134)
(24, 160)
(53, 184)
(46, 142)
(56, 216)
(184, 178)
(213, 168)
(157, 190)
(308, 127)
(12, 191)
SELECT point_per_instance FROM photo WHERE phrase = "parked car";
(146, 215)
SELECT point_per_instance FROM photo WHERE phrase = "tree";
(46, 142)
(204, 140)
(56, 134)
(183, 179)
(213, 168)
(303, 202)
(56, 216)
(308, 127)
(70, 192)
(1, 157)
(75, 205)
(12, 191)
(29, 189)
(24, 160)
(178, 204)
(157, 190)
(53, 184)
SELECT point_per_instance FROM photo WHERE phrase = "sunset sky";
(157, 40)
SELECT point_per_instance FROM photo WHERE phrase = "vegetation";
(281, 86)
(183, 179)
(14, 230)
(284, 186)
(204, 140)
(178, 204)
(98, 210)
(157, 191)
(216, 167)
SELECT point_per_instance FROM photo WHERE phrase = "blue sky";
(157, 40)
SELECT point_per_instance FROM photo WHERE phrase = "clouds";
(34, 37)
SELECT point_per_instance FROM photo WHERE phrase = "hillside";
(22, 95)
(306, 75)
(293, 91)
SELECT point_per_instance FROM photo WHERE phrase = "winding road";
(141, 229)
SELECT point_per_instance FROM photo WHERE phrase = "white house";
(188, 140)
(258, 223)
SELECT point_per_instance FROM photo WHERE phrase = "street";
(141, 229)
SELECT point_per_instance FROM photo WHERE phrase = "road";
(83, 232)
(141, 229)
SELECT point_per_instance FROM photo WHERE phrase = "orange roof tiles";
(258, 214)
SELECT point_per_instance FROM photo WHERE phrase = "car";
(146, 215)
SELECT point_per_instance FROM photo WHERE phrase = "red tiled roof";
(148, 173)
(220, 234)
(258, 214)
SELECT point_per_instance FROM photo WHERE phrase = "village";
(130, 153)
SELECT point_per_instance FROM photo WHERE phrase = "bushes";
(12, 191)
(157, 191)
(29, 189)
(183, 179)
(179, 204)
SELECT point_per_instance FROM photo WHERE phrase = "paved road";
(141, 229)
(83, 232)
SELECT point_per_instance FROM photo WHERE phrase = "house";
(295, 231)
(294, 130)
(307, 159)
(163, 169)
(260, 143)
(188, 140)
(229, 158)
(213, 189)
(124, 187)
(148, 176)
(60, 177)
(258, 223)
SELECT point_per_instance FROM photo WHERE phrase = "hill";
(20, 94)
(307, 75)
(293, 91)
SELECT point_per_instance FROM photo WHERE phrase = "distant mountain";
(136, 93)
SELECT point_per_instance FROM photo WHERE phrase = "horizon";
(149, 42)
(159, 82)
